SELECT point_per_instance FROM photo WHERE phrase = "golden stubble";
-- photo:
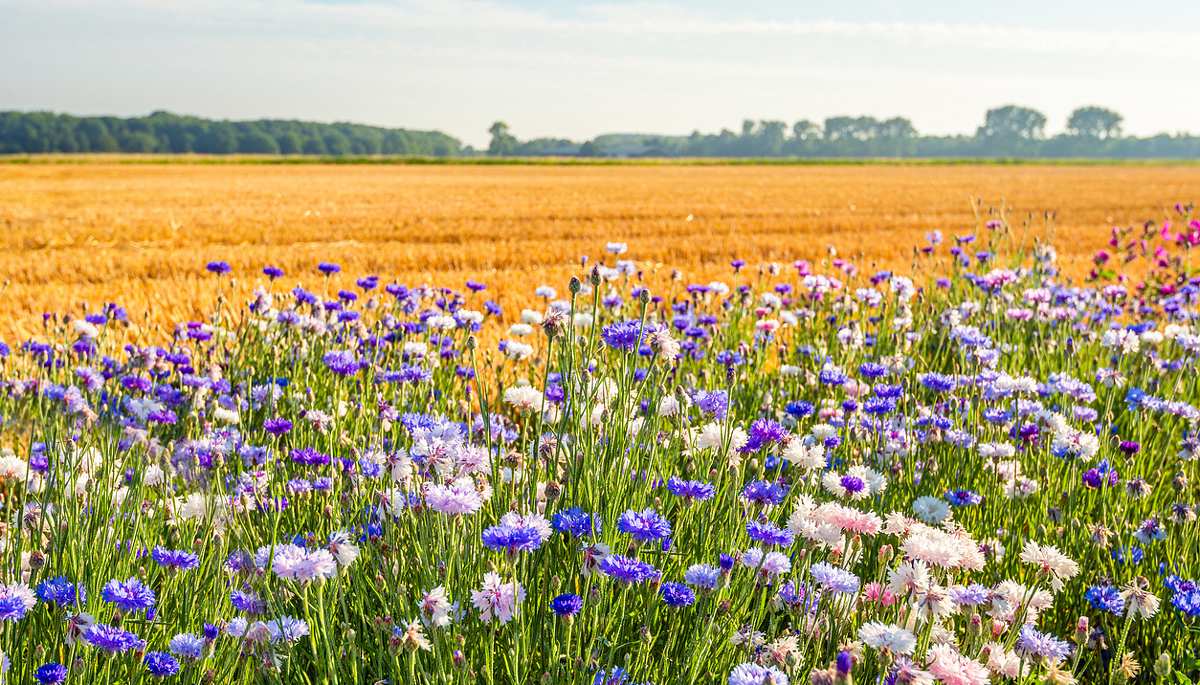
(140, 234)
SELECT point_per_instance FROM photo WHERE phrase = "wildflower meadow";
(975, 470)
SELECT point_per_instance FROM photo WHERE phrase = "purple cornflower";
(112, 639)
(645, 526)
(277, 426)
(937, 382)
(175, 558)
(272, 272)
(247, 602)
(341, 362)
(691, 490)
(328, 268)
(1101, 475)
(769, 534)
(219, 267)
(309, 457)
(187, 646)
(130, 596)
(627, 569)
(762, 433)
(677, 595)
(566, 605)
(52, 673)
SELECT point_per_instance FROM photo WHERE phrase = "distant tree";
(805, 131)
(336, 143)
(589, 149)
(1094, 122)
(503, 142)
(1012, 123)
(219, 139)
(290, 143)
(771, 135)
(256, 142)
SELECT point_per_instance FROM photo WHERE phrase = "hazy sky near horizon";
(577, 69)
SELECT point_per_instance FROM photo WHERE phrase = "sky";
(577, 69)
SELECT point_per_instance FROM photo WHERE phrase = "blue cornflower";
(566, 605)
(626, 335)
(769, 534)
(175, 558)
(762, 433)
(872, 371)
(799, 410)
(764, 492)
(677, 594)
(247, 601)
(937, 382)
(576, 522)
(512, 539)
(161, 664)
(879, 406)
(58, 591)
(1186, 595)
(963, 498)
(1106, 597)
(702, 576)
(52, 673)
(1132, 554)
(111, 638)
(13, 607)
(187, 646)
(272, 272)
(129, 596)
(692, 490)
(832, 376)
(613, 676)
(328, 268)
(645, 526)
(627, 569)
(219, 267)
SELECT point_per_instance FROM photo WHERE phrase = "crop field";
(137, 234)
(783, 426)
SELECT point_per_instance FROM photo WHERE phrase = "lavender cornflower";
(187, 646)
(341, 362)
(1033, 643)
(715, 404)
(834, 579)
(702, 576)
(751, 673)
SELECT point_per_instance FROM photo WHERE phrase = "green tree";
(503, 142)
(1012, 123)
(1094, 122)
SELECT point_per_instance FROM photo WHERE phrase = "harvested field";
(139, 234)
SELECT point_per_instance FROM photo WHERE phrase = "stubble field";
(140, 234)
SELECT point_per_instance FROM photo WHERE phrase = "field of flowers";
(973, 471)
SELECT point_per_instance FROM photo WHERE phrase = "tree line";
(1008, 131)
(39, 132)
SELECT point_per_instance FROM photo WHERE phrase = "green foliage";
(163, 132)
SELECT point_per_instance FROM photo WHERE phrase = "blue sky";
(579, 69)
